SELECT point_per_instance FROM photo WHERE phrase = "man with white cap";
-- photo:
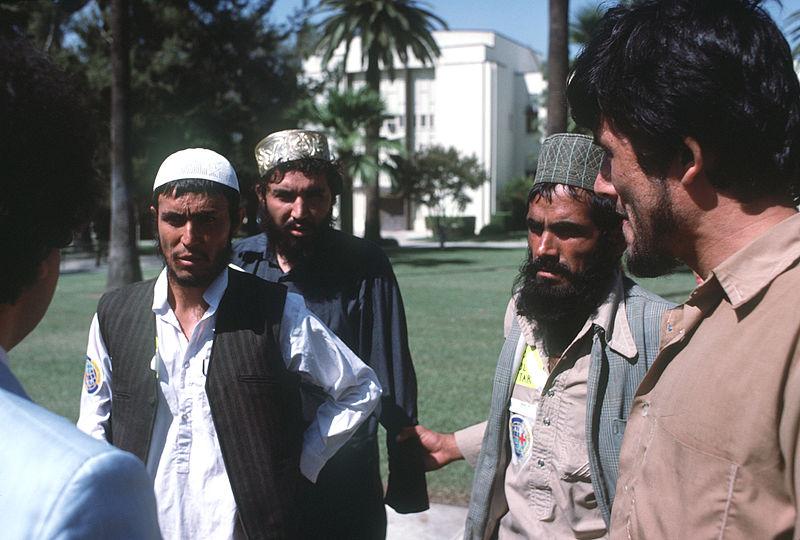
(198, 371)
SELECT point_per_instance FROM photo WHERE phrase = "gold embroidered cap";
(290, 145)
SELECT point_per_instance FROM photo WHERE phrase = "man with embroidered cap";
(55, 482)
(579, 338)
(698, 104)
(349, 284)
(199, 371)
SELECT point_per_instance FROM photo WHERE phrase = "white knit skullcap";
(197, 163)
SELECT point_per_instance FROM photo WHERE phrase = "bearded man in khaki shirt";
(579, 338)
(698, 107)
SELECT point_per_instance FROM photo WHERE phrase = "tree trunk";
(372, 221)
(557, 66)
(123, 257)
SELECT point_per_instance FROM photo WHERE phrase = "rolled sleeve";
(95, 410)
(469, 441)
(323, 360)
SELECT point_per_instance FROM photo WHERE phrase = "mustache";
(547, 264)
(293, 223)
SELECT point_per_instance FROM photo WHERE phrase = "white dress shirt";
(192, 489)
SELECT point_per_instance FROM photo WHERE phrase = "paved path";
(440, 522)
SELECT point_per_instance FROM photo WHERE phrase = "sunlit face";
(194, 233)
(299, 204)
(561, 237)
(643, 201)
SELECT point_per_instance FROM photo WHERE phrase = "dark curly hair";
(719, 71)
(310, 166)
(48, 183)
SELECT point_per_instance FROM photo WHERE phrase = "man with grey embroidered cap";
(198, 371)
(349, 284)
(579, 338)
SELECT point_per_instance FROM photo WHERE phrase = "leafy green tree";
(343, 114)
(211, 73)
(386, 28)
(438, 178)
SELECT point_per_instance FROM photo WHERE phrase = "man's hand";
(440, 448)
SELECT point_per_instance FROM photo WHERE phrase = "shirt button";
(186, 365)
(645, 408)
(540, 463)
(546, 421)
(551, 393)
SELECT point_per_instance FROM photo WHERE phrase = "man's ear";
(153, 212)
(692, 161)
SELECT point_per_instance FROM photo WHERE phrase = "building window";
(401, 121)
(531, 120)
(430, 120)
(422, 120)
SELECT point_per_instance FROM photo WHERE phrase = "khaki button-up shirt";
(710, 450)
(548, 485)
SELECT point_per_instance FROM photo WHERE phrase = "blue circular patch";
(91, 376)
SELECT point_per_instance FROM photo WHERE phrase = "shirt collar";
(610, 316)
(212, 295)
(748, 271)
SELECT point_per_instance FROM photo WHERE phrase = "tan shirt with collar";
(548, 486)
(710, 450)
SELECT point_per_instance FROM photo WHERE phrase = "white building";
(481, 96)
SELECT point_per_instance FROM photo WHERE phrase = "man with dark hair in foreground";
(198, 372)
(579, 338)
(349, 284)
(698, 107)
(55, 482)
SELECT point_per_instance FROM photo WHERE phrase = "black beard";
(297, 251)
(561, 310)
(647, 256)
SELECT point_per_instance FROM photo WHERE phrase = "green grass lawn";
(454, 298)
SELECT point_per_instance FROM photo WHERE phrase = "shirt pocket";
(700, 491)
(573, 460)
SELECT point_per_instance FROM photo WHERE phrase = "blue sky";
(524, 21)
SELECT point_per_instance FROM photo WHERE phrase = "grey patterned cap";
(290, 145)
(569, 158)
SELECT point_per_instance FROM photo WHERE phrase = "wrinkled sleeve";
(95, 411)
(384, 345)
(110, 496)
(320, 358)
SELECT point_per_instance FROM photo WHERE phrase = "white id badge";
(520, 430)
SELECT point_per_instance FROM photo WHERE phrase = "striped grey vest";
(254, 400)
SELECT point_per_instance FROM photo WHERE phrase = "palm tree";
(793, 29)
(123, 257)
(557, 66)
(584, 24)
(344, 114)
(386, 28)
